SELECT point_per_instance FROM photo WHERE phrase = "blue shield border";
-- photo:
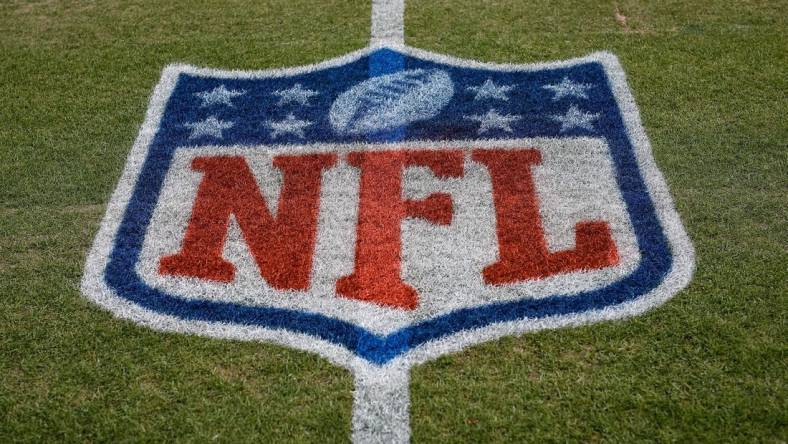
(111, 280)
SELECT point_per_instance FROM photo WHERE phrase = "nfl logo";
(387, 207)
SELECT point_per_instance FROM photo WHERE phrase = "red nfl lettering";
(283, 246)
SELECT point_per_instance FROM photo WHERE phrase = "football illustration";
(391, 101)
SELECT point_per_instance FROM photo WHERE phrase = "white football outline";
(391, 101)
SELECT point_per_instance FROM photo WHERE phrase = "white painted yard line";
(387, 22)
(381, 397)
(381, 405)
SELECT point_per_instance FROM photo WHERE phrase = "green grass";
(708, 366)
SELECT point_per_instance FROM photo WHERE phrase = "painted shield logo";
(387, 207)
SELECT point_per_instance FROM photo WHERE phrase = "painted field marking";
(387, 207)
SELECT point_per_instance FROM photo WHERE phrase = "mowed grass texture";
(708, 366)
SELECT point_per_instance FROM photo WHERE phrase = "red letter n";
(521, 243)
(282, 246)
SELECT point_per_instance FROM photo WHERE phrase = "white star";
(209, 127)
(219, 95)
(574, 118)
(569, 88)
(488, 89)
(290, 125)
(493, 120)
(295, 94)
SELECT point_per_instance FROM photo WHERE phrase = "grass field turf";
(709, 365)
